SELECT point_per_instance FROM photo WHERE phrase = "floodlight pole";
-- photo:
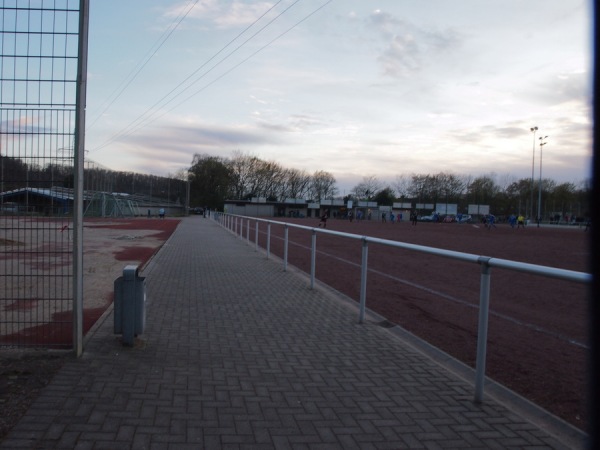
(533, 130)
(542, 143)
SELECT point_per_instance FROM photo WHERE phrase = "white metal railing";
(235, 224)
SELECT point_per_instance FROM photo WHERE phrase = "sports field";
(538, 328)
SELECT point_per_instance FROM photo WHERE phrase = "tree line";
(17, 173)
(214, 179)
(505, 195)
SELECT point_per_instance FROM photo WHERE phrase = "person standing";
(324, 219)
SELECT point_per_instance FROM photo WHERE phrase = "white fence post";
(285, 247)
(484, 307)
(313, 258)
(268, 239)
(256, 237)
(363, 281)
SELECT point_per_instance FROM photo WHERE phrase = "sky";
(357, 88)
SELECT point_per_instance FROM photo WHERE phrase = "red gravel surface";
(538, 327)
(57, 331)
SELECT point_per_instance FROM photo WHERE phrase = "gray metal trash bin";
(130, 304)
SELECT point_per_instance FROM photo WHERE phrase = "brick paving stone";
(239, 354)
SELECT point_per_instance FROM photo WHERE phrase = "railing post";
(248, 231)
(363, 280)
(285, 247)
(268, 239)
(484, 307)
(256, 237)
(313, 258)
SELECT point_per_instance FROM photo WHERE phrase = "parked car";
(429, 218)
(464, 218)
(448, 219)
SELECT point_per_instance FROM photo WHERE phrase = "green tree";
(211, 181)
(385, 197)
(483, 190)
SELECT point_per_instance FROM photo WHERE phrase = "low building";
(57, 201)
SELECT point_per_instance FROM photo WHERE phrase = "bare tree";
(367, 188)
(322, 186)
(243, 169)
(297, 183)
(271, 180)
(402, 185)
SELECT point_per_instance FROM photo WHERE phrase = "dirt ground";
(538, 327)
(109, 245)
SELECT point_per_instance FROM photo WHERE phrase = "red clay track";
(538, 327)
(57, 332)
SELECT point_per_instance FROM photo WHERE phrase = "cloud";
(224, 14)
(409, 48)
(202, 136)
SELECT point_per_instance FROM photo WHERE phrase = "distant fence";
(236, 223)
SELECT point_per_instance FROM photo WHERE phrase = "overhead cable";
(139, 122)
(145, 60)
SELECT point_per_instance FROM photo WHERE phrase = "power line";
(143, 62)
(247, 58)
(144, 119)
(147, 120)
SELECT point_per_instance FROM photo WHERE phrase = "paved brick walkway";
(239, 354)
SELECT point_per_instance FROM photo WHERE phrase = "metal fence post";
(268, 239)
(248, 231)
(484, 307)
(313, 258)
(256, 237)
(363, 281)
(285, 247)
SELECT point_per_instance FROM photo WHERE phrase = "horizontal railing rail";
(235, 224)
